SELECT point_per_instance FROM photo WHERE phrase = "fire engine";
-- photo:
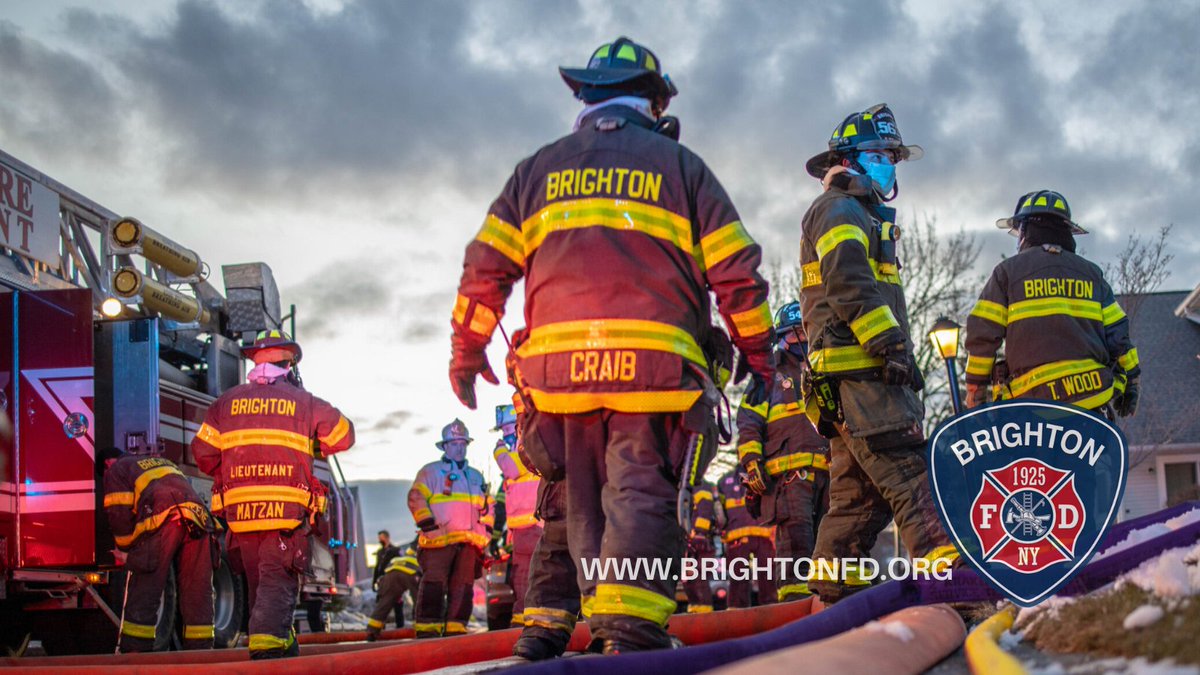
(112, 334)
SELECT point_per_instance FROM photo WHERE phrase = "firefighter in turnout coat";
(258, 442)
(401, 576)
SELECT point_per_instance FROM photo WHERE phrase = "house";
(1164, 435)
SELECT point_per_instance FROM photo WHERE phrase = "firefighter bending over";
(401, 576)
(158, 520)
(1065, 337)
(258, 442)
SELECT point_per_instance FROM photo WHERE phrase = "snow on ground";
(1146, 615)
(895, 629)
(1117, 666)
(1151, 531)
(1050, 606)
(1173, 575)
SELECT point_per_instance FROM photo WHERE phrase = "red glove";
(976, 395)
(465, 364)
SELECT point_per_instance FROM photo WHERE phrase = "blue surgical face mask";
(880, 168)
(510, 440)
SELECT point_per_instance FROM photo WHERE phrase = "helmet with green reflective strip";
(788, 316)
(621, 68)
(1040, 203)
(872, 129)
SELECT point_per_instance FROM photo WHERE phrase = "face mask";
(455, 451)
(880, 168)
(510, 439)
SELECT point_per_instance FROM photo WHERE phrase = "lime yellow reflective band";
(483, 322)
(1051, 371)
(749, 448)
(980, 365)
(783, 411)
(266, 641)
(627, 53)
(1112, 314)
(628, 600)
(991, 311)
(138, 630)
(1129, 360)
(504, 238)
(837, 235)
(873, 323)
(791, 590)
(843, 359)
(797, 460)
(1029, 309)
(752, 321)
(617, 214)
(811, 274)
(199, 632)
(724, 242)
(568, 336)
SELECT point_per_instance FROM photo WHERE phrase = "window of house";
(1181, 483)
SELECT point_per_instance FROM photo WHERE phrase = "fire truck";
(112, 334)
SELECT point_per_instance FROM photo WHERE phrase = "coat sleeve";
(206, 445)
(843, 244)
(119, 504)
(752, 429)
(730, 258)
(1116, 333)
(494, 261)
(418, 498)
(986, 327)
(702, 510)
(334, 433)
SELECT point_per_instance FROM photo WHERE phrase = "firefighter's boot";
(539, 644)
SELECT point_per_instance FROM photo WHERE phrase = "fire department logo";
(1027, 490)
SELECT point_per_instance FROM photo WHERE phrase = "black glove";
(900, 368)
(465, 364)
(1127, 403)
(427, 525)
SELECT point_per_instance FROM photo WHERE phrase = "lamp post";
(944, 336)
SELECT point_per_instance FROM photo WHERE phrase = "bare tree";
(1140, 268)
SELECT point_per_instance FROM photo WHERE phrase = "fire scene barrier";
(909, 641)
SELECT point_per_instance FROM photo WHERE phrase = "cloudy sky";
(355, 146)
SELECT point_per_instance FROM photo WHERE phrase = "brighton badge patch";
(1027, 489)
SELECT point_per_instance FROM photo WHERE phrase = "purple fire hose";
(871, 604)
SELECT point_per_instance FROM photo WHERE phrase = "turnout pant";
(392, 587)
(274, 561)
(801, 498)
(749, 549)
(866, 487)
(445, 596)
(621, 493)
(698, 589)
(524, 541)
(149, 565)
(552, 602)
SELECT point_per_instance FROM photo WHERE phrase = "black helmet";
(621, 67)
(788, 316)
(1040, 203)
(872, 129)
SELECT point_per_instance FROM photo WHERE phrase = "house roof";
(1169, 350)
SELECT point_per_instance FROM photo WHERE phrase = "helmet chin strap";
(895, 192)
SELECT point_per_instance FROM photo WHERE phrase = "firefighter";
(449, 502)
(621, 233)
(700, 548)
(747, 541)
(157, 520)
(865, 380)
(520, 506)
(786, 461)
(401, 576)
(1065, 337)
(258, 442)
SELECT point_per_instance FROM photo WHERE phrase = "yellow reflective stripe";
(1096, 400)
(1112, 314)
(873, 323)
(152, 523)
(566, 336)
(628, 600)
(1029, 309)
(838, 235)
(149, 477)
(339, 431)
(422, 514)
(701, 495)
(218, 503)
(735, 503)
(258, 493)
(264, 524)
(749, 531)
(563, 403)
(788, 590)
(518, 522)
(209, 435)
(618, 214)
(455, 628)
(427, 627)
(138, 630)
(483, 319)
(475, 539)
(703, 524)
(372, 623)
(760, 409)
(119, 499)
(504, 238)
(782, 411)
(423, 489)
(265, 641)
(198, 632)
(797, 460)
(751, 322)
(749, 448)
(724, 242)
(474, 500)
(842, 359)
(948, 553)
(585, 605)
(1051, 371)
(286, 439)
(699, 609)
(1129, 360)
(980, 365)
(811, 274)
(991, 311)
(518, 619)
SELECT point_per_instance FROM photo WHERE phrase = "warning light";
(94, 578)
(111, 307)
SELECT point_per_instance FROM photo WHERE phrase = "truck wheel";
(316, 617)
(229, 604)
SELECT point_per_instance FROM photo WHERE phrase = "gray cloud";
(392, 421)
(339, 294)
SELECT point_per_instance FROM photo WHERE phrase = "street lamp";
(944, 336)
